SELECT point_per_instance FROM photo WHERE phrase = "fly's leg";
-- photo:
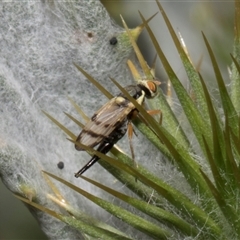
(154, 112)
(130, 134)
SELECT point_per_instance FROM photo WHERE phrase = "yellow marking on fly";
(140, 100)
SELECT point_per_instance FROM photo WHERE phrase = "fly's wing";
(104, 122)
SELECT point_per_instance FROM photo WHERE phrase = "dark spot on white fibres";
(60, 165)
(113, 41)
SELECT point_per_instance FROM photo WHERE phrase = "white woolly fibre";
(39, 42)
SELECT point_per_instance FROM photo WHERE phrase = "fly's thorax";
(121, 101)
(134, 91)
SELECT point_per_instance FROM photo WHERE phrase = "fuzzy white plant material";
(39, 42)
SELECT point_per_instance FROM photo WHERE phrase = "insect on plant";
(110, 123)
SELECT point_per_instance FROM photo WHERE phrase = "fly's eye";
(149, 87)
(152, 86)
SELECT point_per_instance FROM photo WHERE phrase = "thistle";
(205, 205)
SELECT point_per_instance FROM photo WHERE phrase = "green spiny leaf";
(190, 70)
(83, 227)
(94, 82)
(227, 104)
(172, 195)
(195, 118)
(155, 212)
(132, 219)
(68, 132)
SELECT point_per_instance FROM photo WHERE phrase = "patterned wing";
(104, 122)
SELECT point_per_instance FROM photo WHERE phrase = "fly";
(110, 123)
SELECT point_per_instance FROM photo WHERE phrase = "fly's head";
(149, 87)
